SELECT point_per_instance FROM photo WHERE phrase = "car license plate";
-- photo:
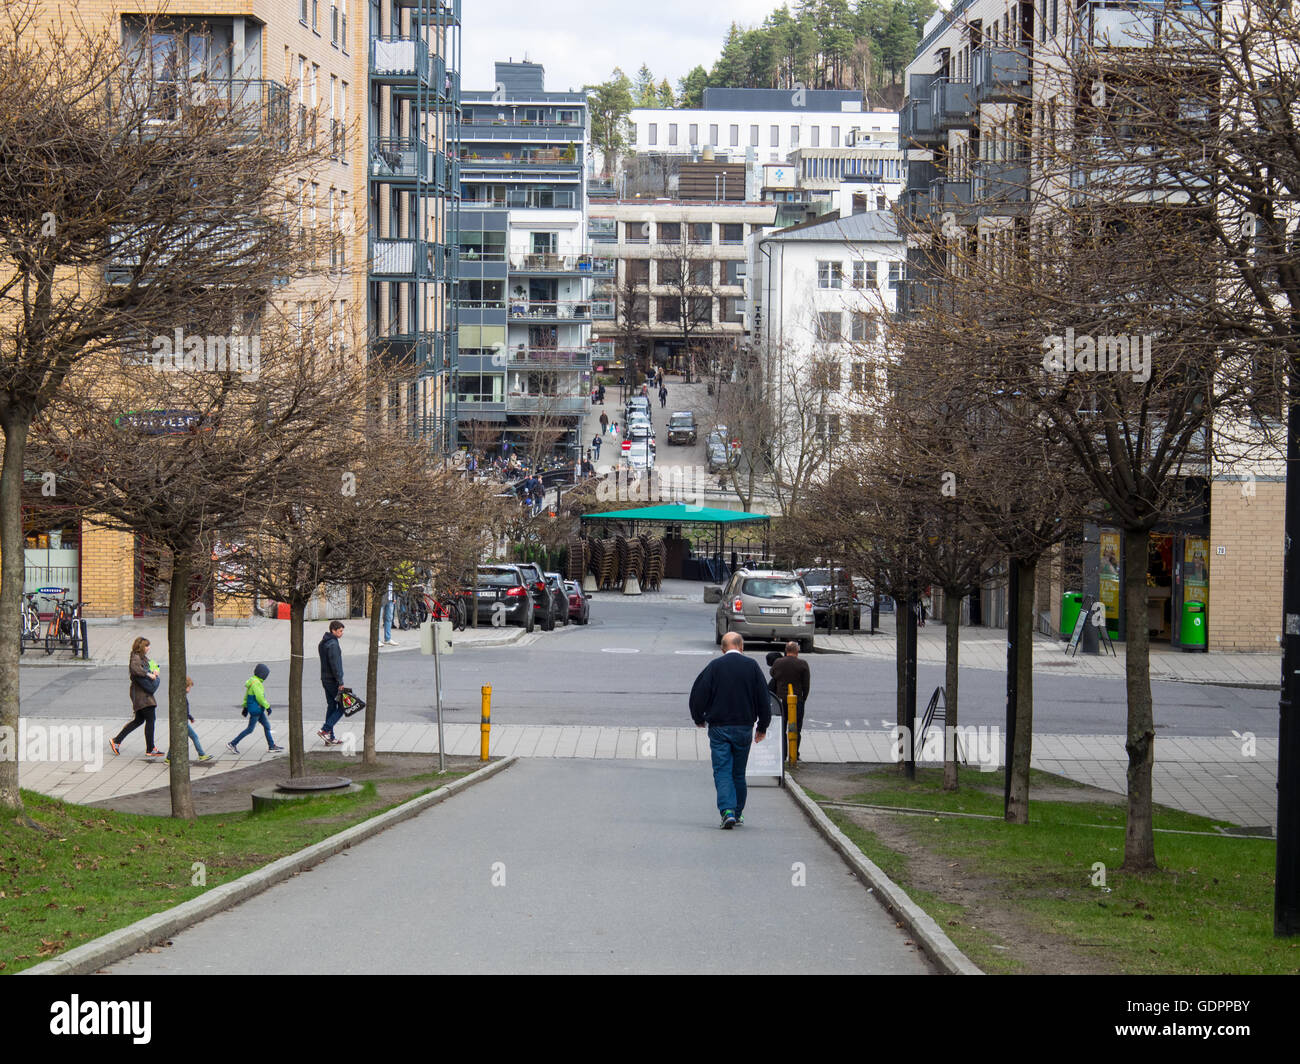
(772, 609)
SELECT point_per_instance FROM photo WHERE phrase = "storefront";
(51, 554)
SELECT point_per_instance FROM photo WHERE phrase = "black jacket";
(731, 690)
(331, 662)
(791, 670)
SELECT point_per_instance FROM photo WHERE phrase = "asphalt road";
(564, 867)
(634, 664)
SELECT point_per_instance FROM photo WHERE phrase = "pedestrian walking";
(792, 671)
(728, 696)
(663, 397)
(390, 606)
(595, 447)
(331, 678)
(257, 709)
(144, 707)
(604, 422)
(189, 725)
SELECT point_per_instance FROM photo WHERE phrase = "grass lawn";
(1208, 910)
(91, 871)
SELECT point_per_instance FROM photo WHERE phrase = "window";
(670, 232)
(702, 274)
(861, 376)
(701, 308)
(713, 135)
(636, 233)
(864, 275)
(816, 136)
(670, 271)
(315, 13)
(776, 137)
(334, 25)
(695, 134)
(638, 271)
(859, 427)
(833, 421)
(828, 326)
(735, 136)
(672, 132)
(732, 233)
(670, 308)
(343, 122)
(733, 309)
(826, 376)
(343, 25)
(794, 137)
(1053, 18)
(835, 136)
(830, 274)
(302, 11)
(733, 272)
(895, 274)
(753, 136)
(859, 205)
(701, 232)
(864, 327)
(652, 133)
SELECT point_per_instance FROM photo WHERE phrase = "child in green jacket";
(256, 709)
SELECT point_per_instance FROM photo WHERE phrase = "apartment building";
(982, 69)
(378, 88)
(678, 292)
(822, 294)
(837, 180)
(768, 123)
(527, 270)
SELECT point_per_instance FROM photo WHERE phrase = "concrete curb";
(938, 946)
(94, 955)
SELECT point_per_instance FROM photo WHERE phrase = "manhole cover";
(314, 783)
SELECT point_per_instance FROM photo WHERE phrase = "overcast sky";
(581, 41)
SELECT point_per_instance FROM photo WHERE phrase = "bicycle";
(451, 606)
(64, 628)
(31, 623)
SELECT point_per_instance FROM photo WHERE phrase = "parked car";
(640, 455)
(559, 597)
(579, 603)
(715, 456)
(543, 603)
(834, 591)
(639, 429)
(682, 428)
(765, 605)
(504, 596)
(637, 404)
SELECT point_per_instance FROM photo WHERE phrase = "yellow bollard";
(485, 722)
(792, 721)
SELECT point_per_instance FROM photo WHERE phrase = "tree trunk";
(1139, 838)
(1018, 806)
(900, 682)
(297, 754)
(11, 601)
(178, 734)
(372, 673)
(952, 635)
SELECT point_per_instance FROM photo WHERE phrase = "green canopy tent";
(701, 524)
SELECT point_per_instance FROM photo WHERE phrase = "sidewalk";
(986, 648)
(1207, 776)
(565, 867)
(258, 639)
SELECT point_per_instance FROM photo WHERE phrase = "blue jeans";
(388, 621)
(729, 745)
(254, 719)
(194, 738)
(333, 711)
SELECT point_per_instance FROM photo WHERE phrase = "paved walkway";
(565, 867)
(1225, 779)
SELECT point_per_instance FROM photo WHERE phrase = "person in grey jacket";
(728, 697)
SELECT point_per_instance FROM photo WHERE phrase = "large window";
(826, 375)
(776, 137)
(895, 274)
(638, 271)
(695, 134)
(636, 233)
(829, 327)
(816, 137)
(731, 233)
(713, 135)
(830, 274)
(670, 232)
(733, 309)
(670, 271)
(733, 272)
(669, 309)
(702, 274)
(753, 136)
(701, 232)
(864, 327)
(864, 275)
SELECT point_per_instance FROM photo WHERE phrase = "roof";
(823, 101)
(679, 513)
(864, 227)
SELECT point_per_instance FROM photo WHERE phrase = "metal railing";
(545, 263)
(563, 357)
(1001, 75)
(256, 105)
(951, 102)
(582, 309)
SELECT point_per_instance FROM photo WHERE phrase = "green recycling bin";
(1071, 604)
(1191, 635)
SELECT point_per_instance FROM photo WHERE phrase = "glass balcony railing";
(432, 12)
(916, 123)
(951, 103)
(999, 185)
(562, 309)
(544, 263)
(557, 357)
(402, 160)
(255, 106)
(602, 227)
(547, 404)
(1001, 75)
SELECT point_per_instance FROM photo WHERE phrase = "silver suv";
(766, 605)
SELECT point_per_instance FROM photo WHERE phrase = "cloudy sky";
(580, 41)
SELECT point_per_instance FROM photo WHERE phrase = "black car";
(682, 428)
(504, 597)
(543, 600)
(559, 597)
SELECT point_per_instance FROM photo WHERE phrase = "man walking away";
(728, 696)
(788, 671)
(595, 447)
(331, 676)
(663, 396)
(604, 422)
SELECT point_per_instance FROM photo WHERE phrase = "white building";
(821, 295)
(770, 122)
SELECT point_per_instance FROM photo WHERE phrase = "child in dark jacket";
(194, 736)
(256, 709)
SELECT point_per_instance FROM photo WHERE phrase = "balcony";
(916, 124)
(601, 188)
(952, 197)
(1112, 26)
(542, 199)
(916, 205)
(432, 12)
(1000, 187)
(579, 264)
(405, 259)
(603, 229)
(1001, 75)
(402, 62)
(549, 357)
(920, 174)
(400, 161)
(951, 103)
(562, 310)
(494, 162)
(559, 405)
(256, 106)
